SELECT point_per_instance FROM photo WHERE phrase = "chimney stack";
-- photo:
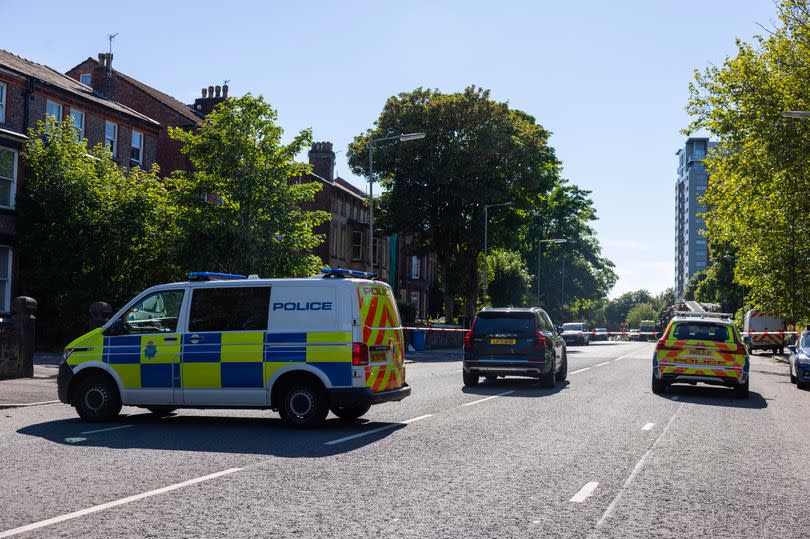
(224, 90)
(103, 79)
(211, 97)
(322, 159)
(204, 92)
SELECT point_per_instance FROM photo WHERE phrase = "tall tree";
(477, 151)
(257, 223)
(757, 194)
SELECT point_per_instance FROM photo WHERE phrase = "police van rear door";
(381, 332)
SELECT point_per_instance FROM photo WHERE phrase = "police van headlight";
(66, 354)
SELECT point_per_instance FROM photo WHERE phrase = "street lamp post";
(539, 243)
(401, 138)
(486, 238)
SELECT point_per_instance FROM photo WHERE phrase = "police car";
(299, 346)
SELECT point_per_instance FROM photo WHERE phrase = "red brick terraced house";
(28, 92)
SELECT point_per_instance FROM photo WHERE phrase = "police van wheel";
(350, 412)
(741, 390)
(97, 399)
(303, 405)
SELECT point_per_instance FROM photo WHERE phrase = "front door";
(146, 356)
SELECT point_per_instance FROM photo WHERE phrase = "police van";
(302, 347)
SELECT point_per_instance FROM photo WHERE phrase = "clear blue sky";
(609, 79)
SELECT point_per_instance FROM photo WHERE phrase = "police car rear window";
(701, 331)
(229, 309)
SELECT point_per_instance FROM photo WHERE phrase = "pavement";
(597, 456)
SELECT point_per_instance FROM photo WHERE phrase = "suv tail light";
(359, 354)
(540, 342)
(467, 338)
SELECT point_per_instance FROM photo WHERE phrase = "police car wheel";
(741, 390)
(350, 412)
(658, 386)
(97, 399)
(303, 405)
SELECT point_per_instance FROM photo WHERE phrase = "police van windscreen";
(701, 331)
(515, 323)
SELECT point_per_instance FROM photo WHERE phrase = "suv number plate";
(503, 341)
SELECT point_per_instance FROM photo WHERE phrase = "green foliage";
(88, 230)
(617, 310)
(259, 225)
(642, 311)
(759, 182)
(509, 280)
(477, 152)
(407, 312)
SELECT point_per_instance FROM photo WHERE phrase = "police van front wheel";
(303, 404)
(350, 412)
(97, 398)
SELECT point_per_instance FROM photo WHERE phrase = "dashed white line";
(636, 470)
(488, 398)
(105, 430)
(122, 501)
(601, 364)
(585, 492)
(648, 426)
(374, 431)
(579, 370)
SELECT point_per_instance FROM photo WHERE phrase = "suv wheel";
(658, 386)
(547, 380)
(470, 379)
(303, 404)
(563, 372)
(97, 399)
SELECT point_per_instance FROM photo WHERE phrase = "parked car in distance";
(800, 361)
(575, 333)
(600, 334)
(514, 342)
(760, 321)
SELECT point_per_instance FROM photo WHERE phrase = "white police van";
(299, 346)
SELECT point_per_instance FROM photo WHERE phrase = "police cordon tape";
(417, 328)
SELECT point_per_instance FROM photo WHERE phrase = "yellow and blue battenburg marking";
(212, 360)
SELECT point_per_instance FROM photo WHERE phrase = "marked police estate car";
(299, 346)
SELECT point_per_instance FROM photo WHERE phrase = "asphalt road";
(598, 456)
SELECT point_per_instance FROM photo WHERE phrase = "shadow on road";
(223, 434)
(715, 396)
(523, 387)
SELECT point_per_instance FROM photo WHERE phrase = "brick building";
(151, 102)
(346, 244)
(29, 91)
(412, 276)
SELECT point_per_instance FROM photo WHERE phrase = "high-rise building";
(691, 251)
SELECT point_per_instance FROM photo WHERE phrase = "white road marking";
(488, 398)
(648, 426)
(122, 501)
(105, 430)
(636, 470)
(585, 492)
(374, 431)
(580, 370)
(601, 364)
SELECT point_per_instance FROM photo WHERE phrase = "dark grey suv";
(514, 342)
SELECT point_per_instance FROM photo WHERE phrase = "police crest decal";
(151, 350)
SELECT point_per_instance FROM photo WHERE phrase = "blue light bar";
(212, 276)
(340, 272)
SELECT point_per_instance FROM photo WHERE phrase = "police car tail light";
(467, 338)
(359, 354)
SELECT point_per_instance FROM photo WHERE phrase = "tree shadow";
(715, 396)
(218, 434)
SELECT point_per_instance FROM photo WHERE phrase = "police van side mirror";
(792, 348)
(116, 328)
(747, 339)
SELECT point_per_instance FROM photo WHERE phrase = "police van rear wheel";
(97, 399)
(303, 405)
(350, 412)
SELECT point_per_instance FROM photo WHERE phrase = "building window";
(357, 244)
(414, 267)
(2, 103)
(111, 137)
(8, 177)
(77, 118)
(377, 253)
(137, 147)
(85, 78)
(55, 110)
(5, 278)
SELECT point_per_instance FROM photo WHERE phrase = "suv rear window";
(519, 323)
(700, 331)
